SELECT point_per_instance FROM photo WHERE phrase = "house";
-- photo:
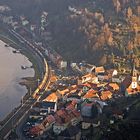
(90, 94)
(63, 92)
(53, 79)
(64, 118)
(73, 88)
(115, 86)
(45, 106)
(58, 128)
(99, 70)
(51, 98)
(48, 122)
(89, 111)
(32, 27)
(117, 79)
(50, 106)
(73, 65)
(86, 125)
(14, 24)
(105, 95)
(130, 85)
(103, 77)
(125, 83)
(134, 87)
(90, 78)
(8, 20)
(74, 10)
(37, 130)
(25, 22)
(90, 68)
(86, 68)
(63, 65)
(112, 72)
(4, 8)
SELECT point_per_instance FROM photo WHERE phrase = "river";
(10, 76)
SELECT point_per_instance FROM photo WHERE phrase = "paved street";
(23, 110)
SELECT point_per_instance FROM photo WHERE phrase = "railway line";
(15, 119)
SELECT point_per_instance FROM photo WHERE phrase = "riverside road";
(24, 108)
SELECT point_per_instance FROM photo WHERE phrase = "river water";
(10, 76)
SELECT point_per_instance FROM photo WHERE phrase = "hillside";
(87, 30)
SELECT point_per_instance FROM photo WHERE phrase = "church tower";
(134, 83)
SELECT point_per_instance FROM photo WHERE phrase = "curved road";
(23, 110)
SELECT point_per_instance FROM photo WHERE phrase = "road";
(5, 129)
(24, 109)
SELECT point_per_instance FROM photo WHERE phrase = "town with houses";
(82, 99)
(75, 105)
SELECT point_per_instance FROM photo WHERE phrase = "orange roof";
(62, 92)
(90, 94)
(88, 75)
(73, 88)
(53, 79)
(115, 86)
(73, 91)
(134, 79)
(51, 98)
(133, 91)
(106, 95)
(99, 69)
(101, 84)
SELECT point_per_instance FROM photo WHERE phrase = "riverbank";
(12, 42)
(26, 81)
(11, 75)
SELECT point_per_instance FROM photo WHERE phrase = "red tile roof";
(99, 69)
(50, 119)
(36, 129)
(106, 95)
(115, 86)
(60, 112)
(70, 107)
(90, 94)
(65, 116)
(133, 91)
